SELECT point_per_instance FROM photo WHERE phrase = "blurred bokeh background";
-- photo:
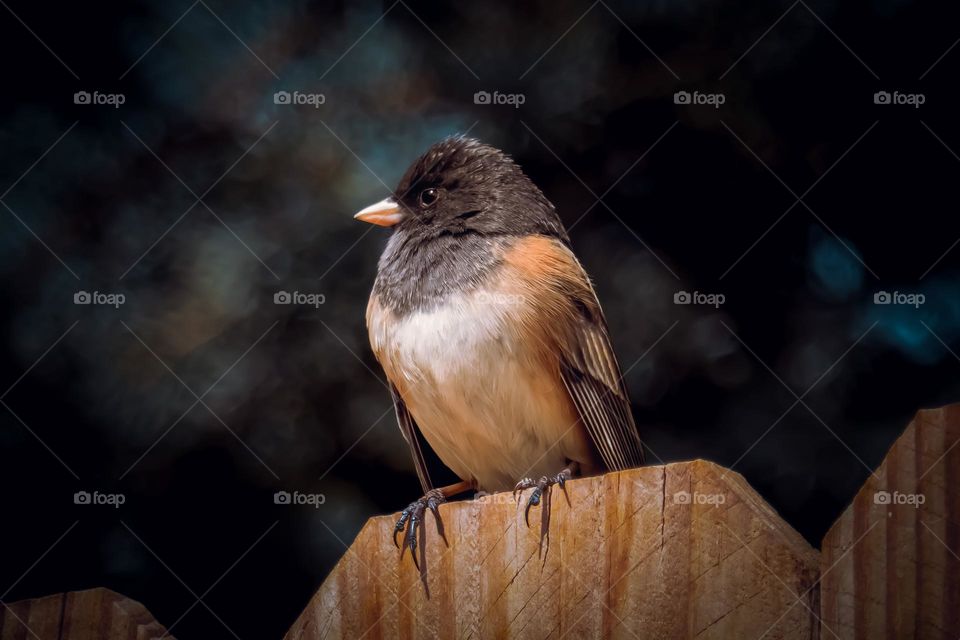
(202, 196)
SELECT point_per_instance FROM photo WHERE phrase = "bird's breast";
(486, 395)
(429, 346)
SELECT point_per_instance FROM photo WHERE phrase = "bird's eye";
(429, 196)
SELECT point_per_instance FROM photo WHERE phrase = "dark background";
(89, 403)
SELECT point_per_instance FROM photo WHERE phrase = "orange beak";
(385, 213)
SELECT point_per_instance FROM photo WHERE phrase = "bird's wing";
(571, 322)
(411, 433)
(590, 372)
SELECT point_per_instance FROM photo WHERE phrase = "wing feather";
(411, 433)
(592, 377)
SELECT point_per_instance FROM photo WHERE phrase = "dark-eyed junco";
(491, 335)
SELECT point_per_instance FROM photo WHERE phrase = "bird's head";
(461, 186)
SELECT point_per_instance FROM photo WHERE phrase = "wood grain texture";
(32, 619)
(890, 564)
(685, 550)
(94, 614)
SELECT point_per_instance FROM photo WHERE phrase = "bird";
(491, 337)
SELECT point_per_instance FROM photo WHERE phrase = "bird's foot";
(412, 518)
(541, 494)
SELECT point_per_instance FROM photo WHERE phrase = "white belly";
(485, 402)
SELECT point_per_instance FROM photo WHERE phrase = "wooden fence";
(685, 550)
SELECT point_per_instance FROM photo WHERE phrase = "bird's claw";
(412, 519)
(524, 483)
(401, 523)
(541, 493)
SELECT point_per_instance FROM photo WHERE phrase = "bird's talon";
(401, 524)
(526, 513)
(525, 483)
(434, 500)
(411, 523)
(561, 479)
(541, 496)
(409, 538)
